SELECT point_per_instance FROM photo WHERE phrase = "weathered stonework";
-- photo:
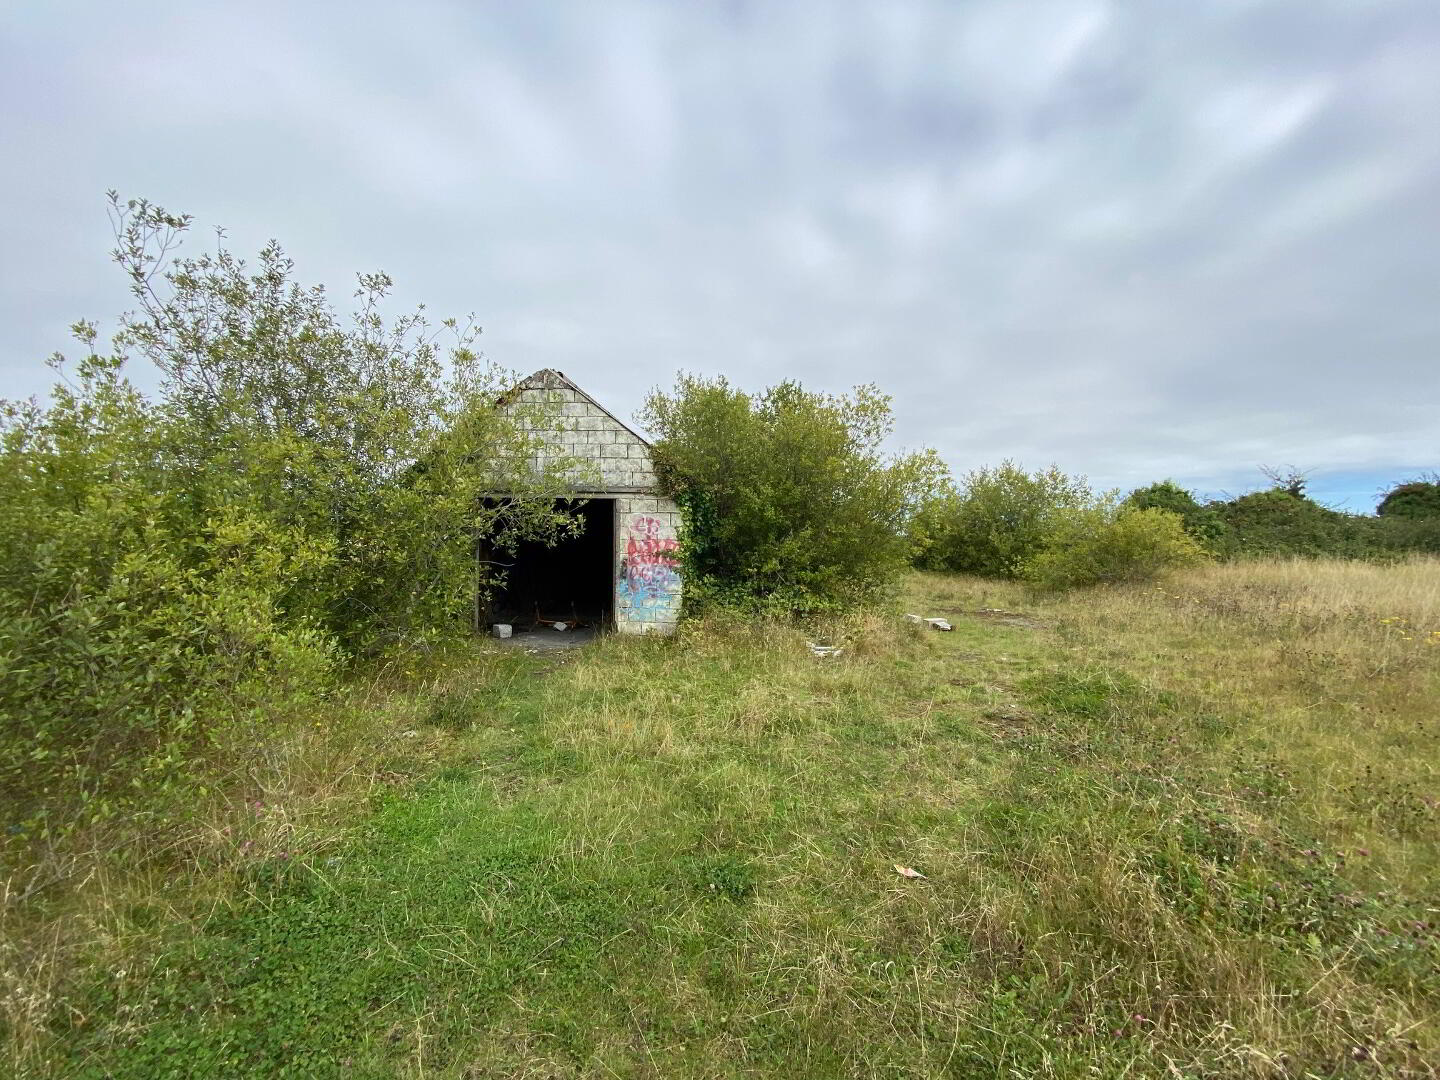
(612, 462)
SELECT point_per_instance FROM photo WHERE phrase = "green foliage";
(999, 519)
(1284, 521)
(370, 437)
(1105, 545)
(1054, 531)
(791, 506)
(1277, 522)
(303, 490)
(1412, 499)
(130, 617)
(1201, 522)
(1403, 534)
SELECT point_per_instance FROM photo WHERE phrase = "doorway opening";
(571, 582)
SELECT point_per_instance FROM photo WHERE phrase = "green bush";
(130, 623)
(1284, 521)
(302, 491)
(1104, 544)
(1405, 534)
(1412, 499)
(1279, 522)
(998, 519)
(1202, 522)
(790, 504)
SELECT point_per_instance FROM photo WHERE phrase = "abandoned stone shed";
(622, 571)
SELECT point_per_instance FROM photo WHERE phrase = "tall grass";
(1185, 830)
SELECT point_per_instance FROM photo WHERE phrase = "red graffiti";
(645, 546)
(649, 573)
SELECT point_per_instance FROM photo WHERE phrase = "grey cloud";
(1139, 239)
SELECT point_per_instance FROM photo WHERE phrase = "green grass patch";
(684, 858)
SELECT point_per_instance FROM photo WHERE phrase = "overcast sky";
(1142, 239)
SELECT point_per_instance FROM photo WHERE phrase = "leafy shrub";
(376, 439)
(1404, 534)
(1412, 499)
(791, 505)
(1278, 522)
(303, 491)
(128, 623)
(1104, 544)
(1202, 522)
(998, 519)
(1283, 520)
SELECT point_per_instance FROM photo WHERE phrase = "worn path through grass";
(1158, 837)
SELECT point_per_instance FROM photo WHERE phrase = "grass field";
(1177, 830)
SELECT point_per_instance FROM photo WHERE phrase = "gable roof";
(550, 379)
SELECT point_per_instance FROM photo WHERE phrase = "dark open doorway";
(572, 581)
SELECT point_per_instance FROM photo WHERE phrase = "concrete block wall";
(613, 458)
(614, 463)
(647, 565)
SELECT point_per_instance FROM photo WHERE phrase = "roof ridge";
(542, 380)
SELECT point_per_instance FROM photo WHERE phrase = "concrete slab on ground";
(546, 640)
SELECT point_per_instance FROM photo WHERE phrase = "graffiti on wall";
(649, 582)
